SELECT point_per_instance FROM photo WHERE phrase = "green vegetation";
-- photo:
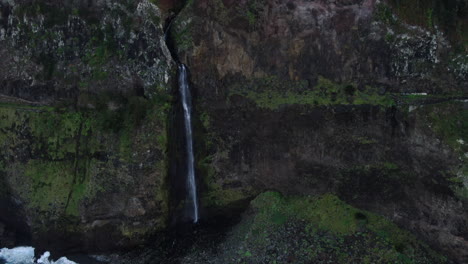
(385, 14)
(55, 142)
(449, 120)
(99, 53)
(252, 11)
(365, 140)
(216, 196)
(209, 150)
(50, 43)
(430, 18)
(181, 29)
(61, 148)
(182, 35)
(323, 229)
(448, 15)
(220, 198)
(273, 93)
(51, 184)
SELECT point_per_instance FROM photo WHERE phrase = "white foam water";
(25, 255)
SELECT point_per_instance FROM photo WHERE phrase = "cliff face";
(313, 230)
(84, 96)
(361, 98)
(345, 41)
(308, 97)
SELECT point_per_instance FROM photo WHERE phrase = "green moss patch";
(273, 93)
(449, 121)
(181, 33)
(41, 25)
(216, 195)
(53, 188)
(321, 229)
(58, 158)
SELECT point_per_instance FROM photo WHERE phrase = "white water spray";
(25, 255)
(187, 104)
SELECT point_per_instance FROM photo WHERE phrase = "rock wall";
(354, 97)
(85, 90)
(309, 97)
(312, 230)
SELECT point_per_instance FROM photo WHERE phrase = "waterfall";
(187, 105)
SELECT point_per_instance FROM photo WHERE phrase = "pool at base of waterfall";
(25, 255)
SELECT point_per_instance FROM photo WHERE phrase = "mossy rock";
(321, 229)
(449, 122)
(273, 93)
(60, 162)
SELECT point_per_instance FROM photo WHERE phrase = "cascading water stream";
(184, 89)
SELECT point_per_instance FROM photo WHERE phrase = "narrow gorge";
(222, 131)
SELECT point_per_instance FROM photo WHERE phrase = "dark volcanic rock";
(54, 51)
(352, 97)
(84, 97)
(307, 97)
